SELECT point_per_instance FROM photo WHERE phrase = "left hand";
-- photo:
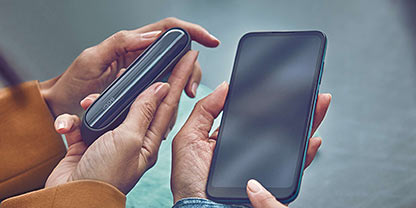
(193, 147)
(121, 156)
(96, 67)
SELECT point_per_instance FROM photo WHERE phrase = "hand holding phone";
(193, 147)
(268, 115)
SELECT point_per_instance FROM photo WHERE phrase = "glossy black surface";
(267, 113)
(137, 77)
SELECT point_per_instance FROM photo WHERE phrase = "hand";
(96, 67)
(193, 147)
(121, 156)
(260, 197)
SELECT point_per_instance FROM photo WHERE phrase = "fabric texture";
(86, 193)
(30, 149)
(29, 146)
(202, 203)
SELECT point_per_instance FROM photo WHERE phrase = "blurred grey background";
(368, 155)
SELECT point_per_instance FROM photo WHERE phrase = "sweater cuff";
(200, 203)
(83, 193)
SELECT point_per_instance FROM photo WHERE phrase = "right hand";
(260, 197)
(121, 156)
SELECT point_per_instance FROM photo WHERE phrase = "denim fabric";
(201, 203)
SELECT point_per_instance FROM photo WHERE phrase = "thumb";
(260, 197)
(69, 125)
(205, 111)
(143, 110)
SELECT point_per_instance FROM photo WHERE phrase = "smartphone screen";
(267, 114)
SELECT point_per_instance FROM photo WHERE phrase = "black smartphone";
(268, 113)
(112, 106)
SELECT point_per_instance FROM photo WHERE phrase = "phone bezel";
(285, 195)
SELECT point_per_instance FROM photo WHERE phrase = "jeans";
(202, 203)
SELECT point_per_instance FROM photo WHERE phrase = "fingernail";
(162, 89)
(254, 186)
(328, 95)
(151, 34)
(194, 87)
(212, 36)
(61, 125)
(221, 85)
(87, 98)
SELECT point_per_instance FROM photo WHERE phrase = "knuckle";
(151, 160)
(200, 107)
(147, 110)
(170, 106)
(87, 53)
(199, 27)
(120, 36)
(149, 155)
(170, 21)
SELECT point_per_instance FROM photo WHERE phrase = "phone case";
(110, 109)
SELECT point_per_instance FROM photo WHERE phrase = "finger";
(322, 105)
(120, 44)
(205, 111)
(131, 56)
(167, 109)
(69, 125)
(122, 70)
(171, 124)
(313, 146)
(180, 76)
(143, 109)
(214, 134)
(194, 80)
(87, 101)
(260, 197)
(197, 33)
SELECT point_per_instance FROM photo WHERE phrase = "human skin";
(193, 147)
(96, 67)
(121, 156)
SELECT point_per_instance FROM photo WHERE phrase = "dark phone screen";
(265, 121)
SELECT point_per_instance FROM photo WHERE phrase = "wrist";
(180, 196)
(201, 202)
(46, 92)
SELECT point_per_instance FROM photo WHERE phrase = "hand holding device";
(111, 107)
(193, 147)
(268, 115)
(121, 156)
(96, 67)
(260, 197)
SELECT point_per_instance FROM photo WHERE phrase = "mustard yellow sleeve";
(29, 146)
(86, 193)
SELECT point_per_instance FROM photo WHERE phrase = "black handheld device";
(268, 114)
(112, 106)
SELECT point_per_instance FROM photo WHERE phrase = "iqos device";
(112, 106)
